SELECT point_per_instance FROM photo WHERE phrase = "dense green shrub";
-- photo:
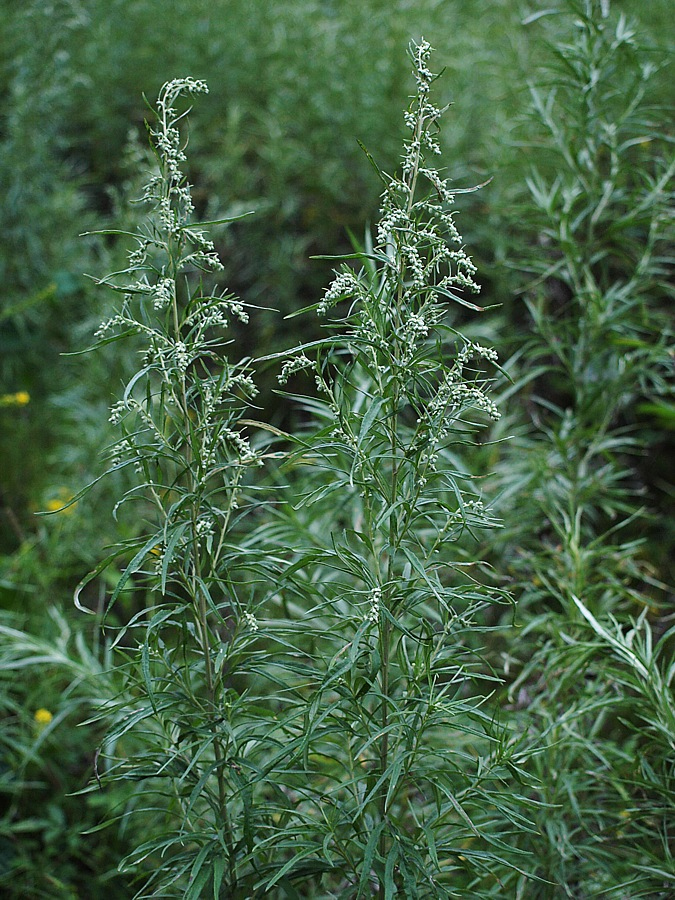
(577, 492)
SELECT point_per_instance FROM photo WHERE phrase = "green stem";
(385, 638)
(203, 626)
(394, 537)
(196, 588)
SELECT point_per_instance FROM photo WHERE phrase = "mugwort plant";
(306, 709)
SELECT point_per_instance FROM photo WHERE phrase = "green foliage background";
(293, 86)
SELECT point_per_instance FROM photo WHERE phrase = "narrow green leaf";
(389, 884)
(367, 862)
(369, 418)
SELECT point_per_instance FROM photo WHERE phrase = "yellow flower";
(60, 500)
(42, 716)
(21, 398)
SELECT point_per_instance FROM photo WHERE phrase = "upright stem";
(385, 624)
(197, 593)
(203, 625)
(385, 637)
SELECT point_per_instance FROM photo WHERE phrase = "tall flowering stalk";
(179, 728)
(385, 570)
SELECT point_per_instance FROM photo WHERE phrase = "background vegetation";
(567, 111)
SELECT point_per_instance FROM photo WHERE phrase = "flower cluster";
(173, 193)
(420, 229)
(374, 600)
(241, 446)
(179, 397)
(205, 530)
(453, 396)
(117, 412)
(345, 284)
(108, 325)
(163, 293)
(293, 365)
(181, 356)
(471, 350)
